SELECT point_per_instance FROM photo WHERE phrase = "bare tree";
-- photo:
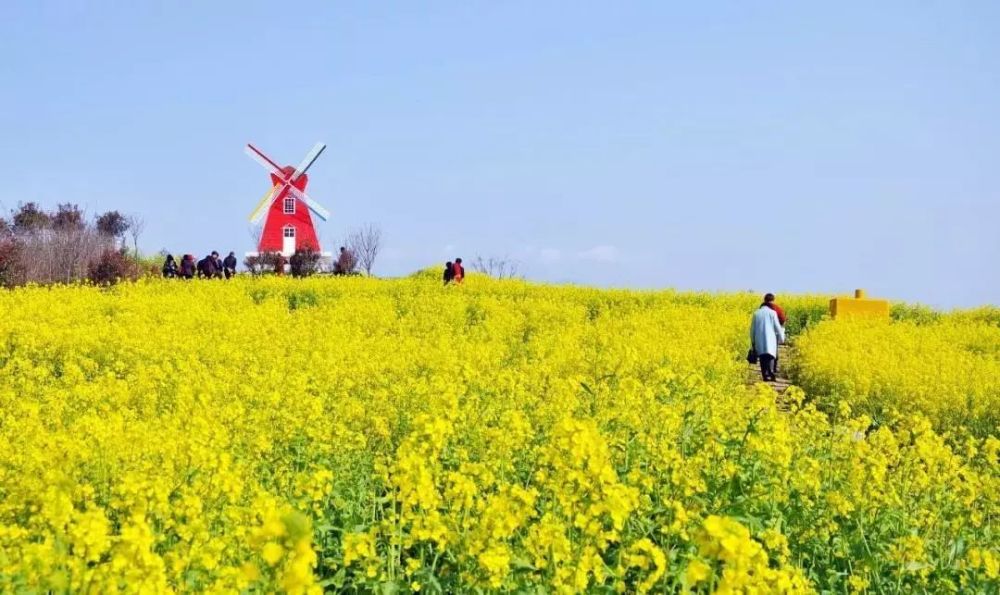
(60, 255)
(54, 247)
(365, 243)
(136, 224)
(263, 262)
(498, 268)
(255, 232)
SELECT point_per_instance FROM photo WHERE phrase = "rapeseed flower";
(362, 434)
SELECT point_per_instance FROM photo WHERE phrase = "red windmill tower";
(288, 224)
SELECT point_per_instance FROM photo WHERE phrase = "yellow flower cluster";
(947, 368)
(744, 561)
(301, 436)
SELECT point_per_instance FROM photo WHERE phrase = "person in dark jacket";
(229, 265)
(218, 265)
(187, 266)
(206, 267)
(449, 272)
(170, 267)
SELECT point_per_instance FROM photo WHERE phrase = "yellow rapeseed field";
(361, 435)
(948, 368)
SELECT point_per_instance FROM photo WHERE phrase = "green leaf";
(337, 580)
(521, 563)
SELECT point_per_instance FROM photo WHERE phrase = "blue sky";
(725, 145)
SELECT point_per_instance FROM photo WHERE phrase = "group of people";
(210, 267)
(767, 327)
(454, 272)
(767, 331)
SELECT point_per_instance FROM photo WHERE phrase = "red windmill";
(288, 225)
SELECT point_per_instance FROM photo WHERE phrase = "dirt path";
(786, 353)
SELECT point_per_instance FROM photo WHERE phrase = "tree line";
(63, 245)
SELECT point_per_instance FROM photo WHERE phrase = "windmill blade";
(310, 158)
(263, 160)
(265, 202)
(314, 206)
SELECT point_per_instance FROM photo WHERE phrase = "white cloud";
(602, 253)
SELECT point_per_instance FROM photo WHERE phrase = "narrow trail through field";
(786, 353)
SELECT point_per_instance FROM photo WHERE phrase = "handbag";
(752, 356)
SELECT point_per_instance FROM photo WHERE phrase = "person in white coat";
(766, 333)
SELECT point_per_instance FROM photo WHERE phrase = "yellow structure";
(859, 305)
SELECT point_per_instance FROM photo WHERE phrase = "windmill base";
(325, 263)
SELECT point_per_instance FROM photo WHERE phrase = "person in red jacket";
(770, 303)
(459, 270)
(774, 306)
(187, 267)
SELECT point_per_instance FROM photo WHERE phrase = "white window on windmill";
(289, 206)
(289, 231)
